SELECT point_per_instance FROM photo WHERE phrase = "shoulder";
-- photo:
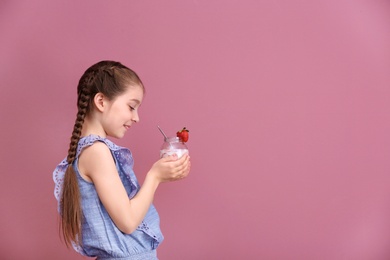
(97, 150)
(94, 158)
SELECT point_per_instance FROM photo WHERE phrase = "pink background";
(288, 104)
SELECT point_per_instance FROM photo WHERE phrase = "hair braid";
(82, 111)
(70, 201)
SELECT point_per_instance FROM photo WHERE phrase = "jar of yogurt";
(172, 145)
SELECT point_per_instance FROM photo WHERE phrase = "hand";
(171, 168)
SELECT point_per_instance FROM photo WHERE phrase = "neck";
(92, 126)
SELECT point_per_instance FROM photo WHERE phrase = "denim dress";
(100, 237)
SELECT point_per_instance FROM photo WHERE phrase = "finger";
(178, 177)
(185, 157)
(178, 164)
(182, 175)
(169, 158)
(185, 170)
(182, 167)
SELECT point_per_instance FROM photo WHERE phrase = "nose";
(135, 117)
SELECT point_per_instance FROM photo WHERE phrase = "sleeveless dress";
(100, 237)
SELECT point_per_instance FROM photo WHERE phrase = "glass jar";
(172, 145)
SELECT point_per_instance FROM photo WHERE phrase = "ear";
(100, 101)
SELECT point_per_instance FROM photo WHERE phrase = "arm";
(97, 164)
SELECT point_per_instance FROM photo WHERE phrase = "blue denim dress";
(100, 237)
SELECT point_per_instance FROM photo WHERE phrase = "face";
(120, 113)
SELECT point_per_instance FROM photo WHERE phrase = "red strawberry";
(183, 135)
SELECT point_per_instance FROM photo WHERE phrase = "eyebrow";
(135, 100)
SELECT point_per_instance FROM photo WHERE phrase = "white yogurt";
(168, 152)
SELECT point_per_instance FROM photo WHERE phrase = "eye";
(132, 108)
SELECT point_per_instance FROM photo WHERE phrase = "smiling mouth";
(127, 127)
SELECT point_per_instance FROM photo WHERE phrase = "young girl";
(104, 211)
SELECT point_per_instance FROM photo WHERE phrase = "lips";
(127, 127)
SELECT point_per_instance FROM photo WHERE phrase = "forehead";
(132, 93)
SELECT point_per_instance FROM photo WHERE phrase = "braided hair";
(111, 79)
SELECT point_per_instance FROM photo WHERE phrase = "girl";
(104, 211)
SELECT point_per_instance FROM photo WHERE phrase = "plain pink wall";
(288, 104)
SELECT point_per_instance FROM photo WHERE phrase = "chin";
(117, 135)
